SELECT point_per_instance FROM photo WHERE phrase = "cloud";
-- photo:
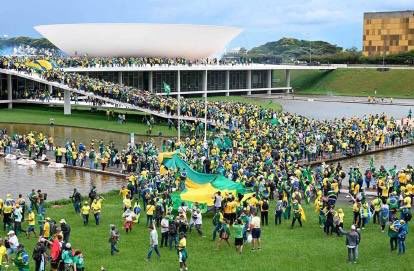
(338, 21)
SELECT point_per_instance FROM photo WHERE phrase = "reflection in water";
(63, 134)
(331, 110)
(57, 183)
(399, 157)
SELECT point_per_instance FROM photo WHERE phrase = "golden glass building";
(388, 32)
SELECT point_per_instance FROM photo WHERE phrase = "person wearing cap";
(65, 227)
(67, 257)
(18, 217)
(352, 241)
(7, 215)
(85, 210)
(32, 222)
(13, 242)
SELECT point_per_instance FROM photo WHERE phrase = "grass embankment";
(352, 82)
(82, 118)
(265, 103)
(306, 248)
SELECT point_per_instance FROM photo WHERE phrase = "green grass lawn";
(352, 82)
(306, 248)
(81, 118)
(265, 103)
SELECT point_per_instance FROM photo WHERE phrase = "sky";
(335, 21)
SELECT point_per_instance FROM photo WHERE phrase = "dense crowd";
(264, 150)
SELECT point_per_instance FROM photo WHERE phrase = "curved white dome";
(130, 39)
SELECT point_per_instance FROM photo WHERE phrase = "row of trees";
(354, 56)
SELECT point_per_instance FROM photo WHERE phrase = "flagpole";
(205, 106)
(179, 106)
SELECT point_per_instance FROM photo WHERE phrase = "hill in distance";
(8, 44)
(290, 49)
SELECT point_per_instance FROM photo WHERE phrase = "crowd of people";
(271, 176)
(52, 246)
(266, 151)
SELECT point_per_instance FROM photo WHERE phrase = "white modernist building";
(131, 39)
(155, 40)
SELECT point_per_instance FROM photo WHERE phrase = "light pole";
(205, 106)
(179, 106)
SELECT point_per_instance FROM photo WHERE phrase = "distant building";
(388, 32)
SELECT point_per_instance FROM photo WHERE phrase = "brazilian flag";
(274, 121)
(167, 88)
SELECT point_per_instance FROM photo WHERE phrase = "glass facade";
(216, 80)
(191, 80)
(238, 79)
(3, 86)
(133, 79)
(169, 77)
(106, 76)
(259, 79)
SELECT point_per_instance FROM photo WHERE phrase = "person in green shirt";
(40, 221)
(22, 259)
(67, 257)
(238, 235)
(79, 261)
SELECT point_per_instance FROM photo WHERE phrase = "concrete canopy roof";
(140, 40)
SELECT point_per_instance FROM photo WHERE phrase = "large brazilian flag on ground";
(199, 187)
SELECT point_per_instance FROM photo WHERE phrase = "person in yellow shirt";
(150, 209)
(3, 253)
(85, 210)
(356, 208)
(32, 222)
(182, 252)
(127, 202)
(46, 228)
(124, 192)
(96, 209)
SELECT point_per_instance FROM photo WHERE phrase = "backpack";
(265, 206)
(53, 227)
(37, 254)
(92, 194)
(172, 228)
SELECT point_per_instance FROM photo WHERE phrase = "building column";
(204, 83)
(10, 91)
(269, 82)
(66, 105)
(120, 78)
(227, 83)
(150, 86)
(287, 76)
(178, 90)
(249, 82)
